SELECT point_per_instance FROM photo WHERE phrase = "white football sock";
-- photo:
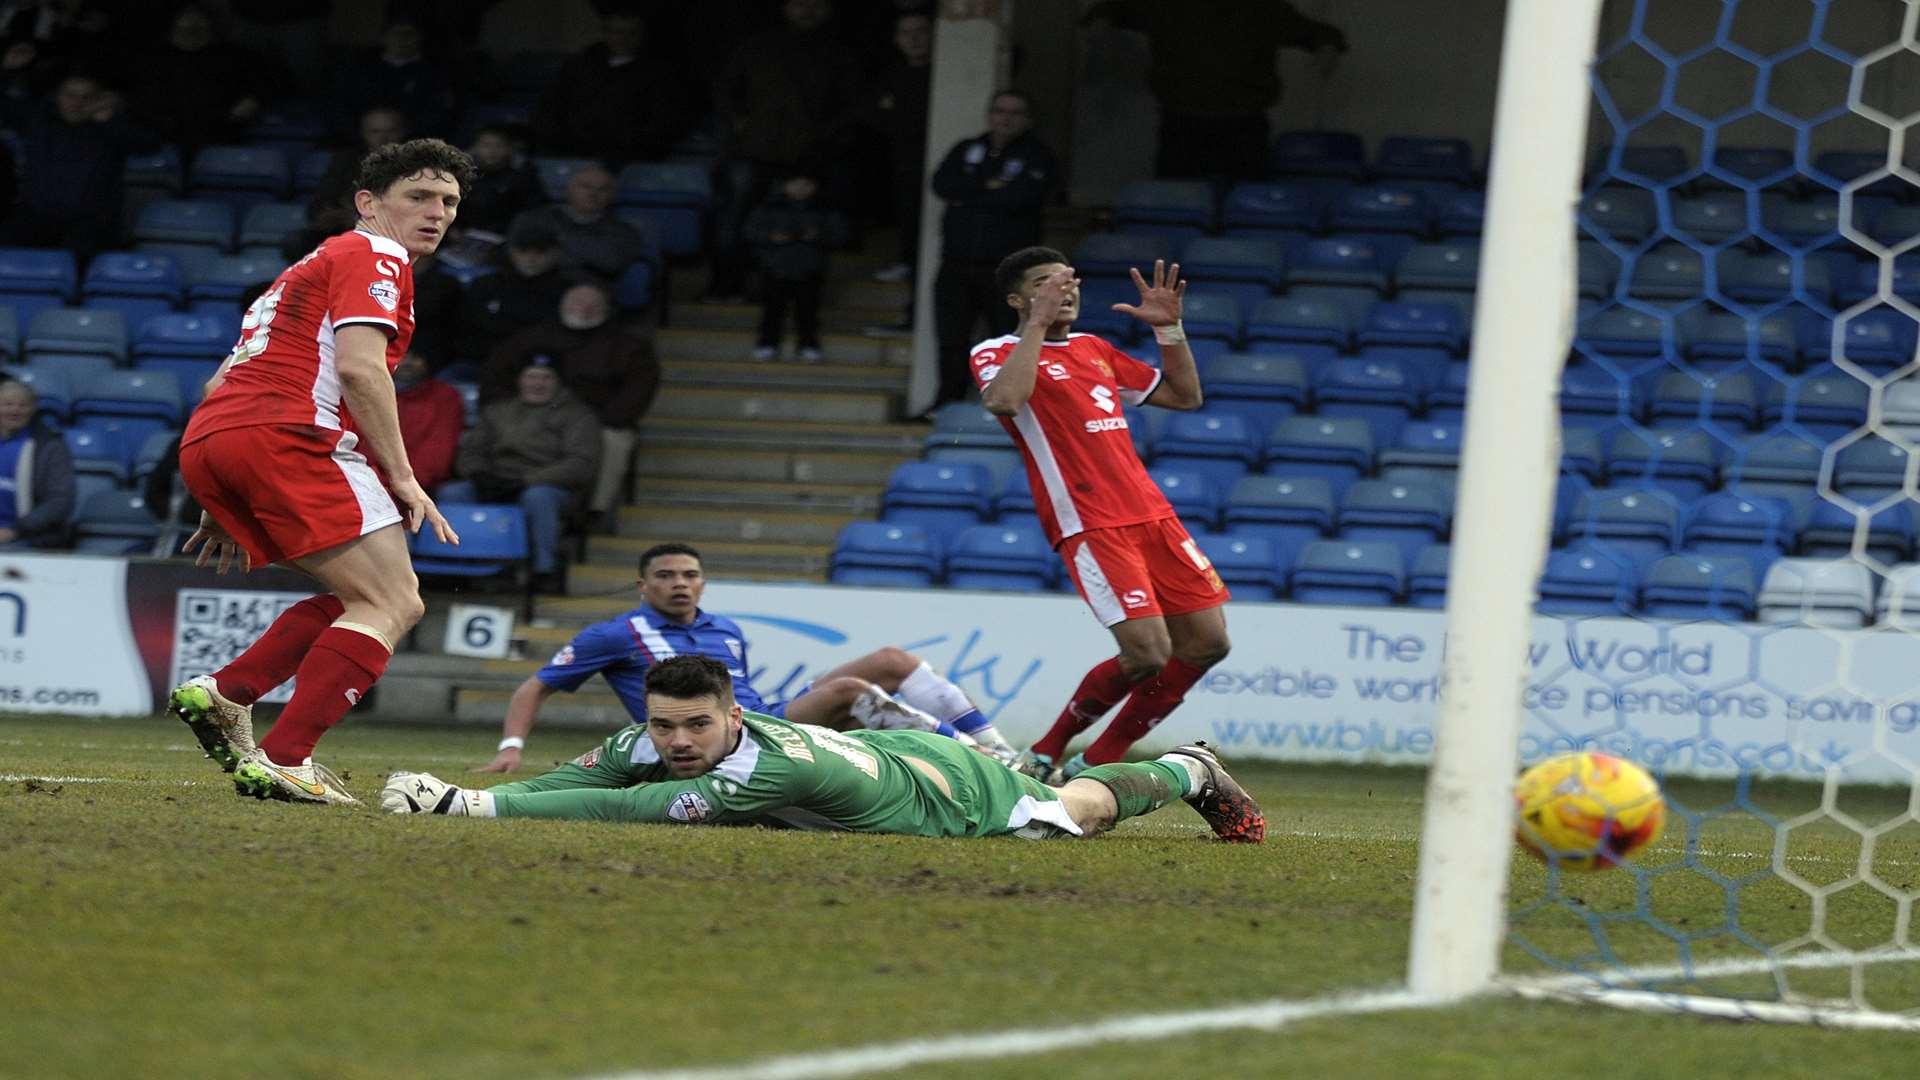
(1196, 771)
(931, 693)
(878, 711)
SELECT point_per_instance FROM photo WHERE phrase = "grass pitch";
(152, 924)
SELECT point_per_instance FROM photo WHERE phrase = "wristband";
(512, 742)
(1171, 335)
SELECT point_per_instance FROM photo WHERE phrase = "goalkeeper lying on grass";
(700, 760)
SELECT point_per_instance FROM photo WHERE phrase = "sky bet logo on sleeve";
(385, 293)
(689, 807)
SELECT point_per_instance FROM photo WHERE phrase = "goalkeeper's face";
(692, 735)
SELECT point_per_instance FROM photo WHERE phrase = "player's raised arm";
(1159, 307)
(1007, 392)
(522, 711)
(360, 356)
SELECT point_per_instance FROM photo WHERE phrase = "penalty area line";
(1138, 1027)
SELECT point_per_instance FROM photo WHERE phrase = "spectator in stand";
(331, 208)
(897, 109)
(75, 148)
(525, 290)
(401, 77)
(197, 90)
(504, 188)
(436, 312)
(610, 366)
(36, 475)
(787, 96)
(539, 449)
(1213, 72)
(791, 235)
(613, 102)
(996, 186)
(432, 415)
(43, 41)
(592, 239)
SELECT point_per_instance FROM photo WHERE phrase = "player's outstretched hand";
(505, 761)
(1053, 294)
(417, 793)
(418, 506)
(1161, 301)
(213, 542)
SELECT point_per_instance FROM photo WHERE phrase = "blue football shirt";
(620, 650)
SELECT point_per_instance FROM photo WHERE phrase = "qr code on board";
(212, 626)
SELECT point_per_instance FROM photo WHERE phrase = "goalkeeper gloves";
(425, 793)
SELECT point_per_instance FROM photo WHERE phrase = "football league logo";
(563, 657)
(589, 759)
(689, 807)
(386, 294)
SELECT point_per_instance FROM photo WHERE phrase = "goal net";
(1726, 505)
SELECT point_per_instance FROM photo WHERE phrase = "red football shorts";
(1135, 571)
(286, 490)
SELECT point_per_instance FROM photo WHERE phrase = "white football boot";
(307, 782)
(224, 730)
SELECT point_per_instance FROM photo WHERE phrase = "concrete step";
(775, 375)
(774, 434)
(745, 403)
(768, 526)
(722, 558)
(613, 582)
(706, 492)
(694, 343)
(584, 709)
(836, 318)
(730, 466)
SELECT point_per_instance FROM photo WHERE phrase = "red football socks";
(1151, 702)
(1103, 687)
(340, 667)
(274, 658)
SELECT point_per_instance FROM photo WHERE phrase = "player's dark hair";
(658, 550)
(1013, 268)
(686, 677)
(390, 164)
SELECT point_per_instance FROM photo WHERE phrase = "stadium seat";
(1900, 410)
(967, 423)
(1097, 297)
(1192, 496)
(1828, 529)
(1247, 270)
(1817, 592)
(97, 452)
(84, 331)
(1711, 219)
(1589, 393)
(1113, 255)
(1696, 586)
(1684, 461)
(1381, 208)
(240, 176)
(9, 334)
(114, 523)
(555, 172)
(1734, 524)
(197, 222)
(1262, 388)
(1879, 339)
(1390, 512)
(151, 453)
(1014, 497)
(1318, 153)
(120, 393)
(1219, 445)
(1778, 462)
(1582, 454)
(1870, 468)
(1616, 331)
(1598, 270)
(876, 553)
(1634, 524)
(1213, 325)
(1452, 266)
(158, 171)
(32, 280)
(1726, 401)
(269, 224)
(218, 287)
(1861, 281)
(1805, 225)
(1267, 208)
(126, 273)
(1292, 321)
(1775, 276)
(1825, 403)
(493, 541)
(186, 337)
(1748, 168)
(1424, 449)
(943, 499)
(1460, 214)
(1176, 209)
(1427, 579)
(1349, 263)
(1432, 326)
(1001, 557)
(1625, 215)
(1345, 573)
(1337, 449)
(1586, 580)
(999, 463)
(1447, 397)
(1668, 272)
(1411, 157)
(1894, 225)
(1726, 337)
(1383, 391)
(308, 170)
(674, 196)
(1899, 601)
(1250, 565)
(1290, 511)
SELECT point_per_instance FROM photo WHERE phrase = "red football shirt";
(1080, 457)
(282, 370)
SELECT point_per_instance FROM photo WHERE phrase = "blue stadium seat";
(97, 452)
(876, 553)
(1427, 579)
(1382, 208)
(1835, 168)
(1337, 449)
(1255, 209)
(1219, 445)
(1590, 393)
(1097, 297)
(674, 195)
(1586, 580)
(1250, 565)
(1014, 498)
(1433, 326)
(218, 287)
(1389, 512)
(1001, 557)
(1289, 321)
(77, 330)
(1247, 270)
(1452, 265)
(309, 168)
(121, 394)
(999, 463)
(1624, 331)
(1112, 255)
(493, 540)
(1625, 215)
(1695, 586)
(1463, 213)
(1192, 496)
(1658, 164)
(1424, 448)
(199, 222)
(126, 273)
(554, 172)
(1879, 339)
(240, 175)
(967, 423)
(1777, 462)
(1583, 454)
(186, 337)
(1730, 523)
(1349, 573)
(1825, 402)
(1894, 225)
(1263, 388)
(1346, 262)
(1748, 167)
(269, 224)
(1713, 218)
(289, 122)
(1808, 225)
(1213, 324)
(1635, 524)
(1176, 209)
(1728, 401)
(1447, 397)
(1379, 390)
(1598, 270)
(157, 171)
(32, 280)
(1870, 468)
(151, 453)
(1861, 281)
(943, 499)
(1318, 153)
(1775, 276)
(1668, 272)
(1684, 461)
(114, 523)
(1726, 337)
(1827, 530)
(1290, 511)
(1413, 157)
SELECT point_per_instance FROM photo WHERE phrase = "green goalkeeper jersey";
(799, 775)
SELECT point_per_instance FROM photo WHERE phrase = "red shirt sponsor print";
(1074, 436)
(282, 368)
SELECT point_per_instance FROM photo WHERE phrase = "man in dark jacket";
(613, 102)
(996, 186)
(503, 188)
(36, 475)
(539, 449)
(592, 239)
(896, 108)
(609, 366)
(524, 292)
(73, 152)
